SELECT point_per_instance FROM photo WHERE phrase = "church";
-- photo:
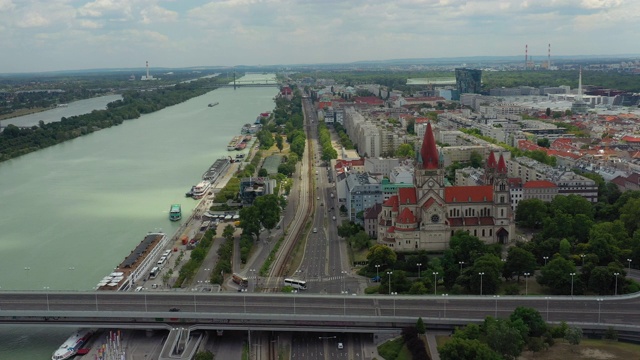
(425, 216)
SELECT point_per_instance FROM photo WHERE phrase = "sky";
(52, 35)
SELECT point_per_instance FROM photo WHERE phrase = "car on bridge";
(174, 309)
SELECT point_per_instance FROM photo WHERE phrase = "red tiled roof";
(463, 194)
(391, 229)
(632, 139)
(393, 202)
(486, 220)
(455, 221)
(428, 203)
(619, 180)
(407, 195)
(539, 184)
(406, 217)
(372, 212)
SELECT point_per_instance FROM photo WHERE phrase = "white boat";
(70, 347)
(200, 190)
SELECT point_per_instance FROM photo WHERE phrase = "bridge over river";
(303, 312)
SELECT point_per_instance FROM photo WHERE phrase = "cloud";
(6, 5)
(107, 9)
(89, 24)
(157, 14)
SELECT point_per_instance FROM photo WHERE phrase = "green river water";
(69, 214)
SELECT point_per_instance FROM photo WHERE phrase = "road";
(258, 308)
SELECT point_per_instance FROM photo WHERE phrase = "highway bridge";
(302, 312)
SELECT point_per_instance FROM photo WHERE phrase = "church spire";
(429, 152)
(491, 161)
(502, 166)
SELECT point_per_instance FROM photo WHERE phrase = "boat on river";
(71, 346)
(175, 212)
(200, 190)
(234, 143)
(213, 104)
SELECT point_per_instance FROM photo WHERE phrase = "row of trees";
(15, 141)
(324, 138)
(497, 339)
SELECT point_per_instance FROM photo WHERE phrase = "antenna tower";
(526, 56)
(549, 58)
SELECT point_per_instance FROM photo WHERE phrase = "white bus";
(154, 272)
(296, 284)
(167, 254)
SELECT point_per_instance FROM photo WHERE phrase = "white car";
(315, 230)
(340, 346)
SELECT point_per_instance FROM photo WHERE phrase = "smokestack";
(526, 56)
(549, 58)
(580, 85)
(147, 70)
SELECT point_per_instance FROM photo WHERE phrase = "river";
(71, 213)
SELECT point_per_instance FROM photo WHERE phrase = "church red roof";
(535, 184)
(406, 217)
(502, 167)
(491, 161)
(393, 202)
(407, 195)
(463, 194)
(429, 152)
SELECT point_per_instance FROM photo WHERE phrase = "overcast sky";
(78, 34)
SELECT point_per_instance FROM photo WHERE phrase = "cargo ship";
(241, 145)
(234, 142)
(71, 346)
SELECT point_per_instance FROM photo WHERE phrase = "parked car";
(376, 279)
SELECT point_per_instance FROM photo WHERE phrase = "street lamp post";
(481, 274)
(445, 304)
(377, 274)
(435, 282)
(344, 274)
(547, 298)
(526, 283)
(629, 260)
(344, 303)
(419, 264)
(496, 297)
(616, 275)
(545, 258)
(394, 302)
(599, 300)
(46, 289)
(294, 301)
(461, 263)
(572, 275)
(389, 273)
(582, 256)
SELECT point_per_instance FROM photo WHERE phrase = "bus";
(154, 272)
(296, 284)
(240, 280)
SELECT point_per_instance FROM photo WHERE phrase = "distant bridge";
(245, 84)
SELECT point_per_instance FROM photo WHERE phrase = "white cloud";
(6, 5)
(157, 14)
(89, 24)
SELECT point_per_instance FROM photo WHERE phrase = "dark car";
(174, 309)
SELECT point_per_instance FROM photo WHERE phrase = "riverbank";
(23, 112)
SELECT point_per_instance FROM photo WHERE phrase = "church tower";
(501, 200)
(429, 173)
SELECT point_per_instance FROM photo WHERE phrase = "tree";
(405, 151)
(475, 159)
(464, 349)
(505, 337)
(565, 248)
(491, 267)
(556, 276)
(629, 214)
(250, 220)
(279, 142)
(544, 142)
(530, 213)
(228, 231)
(466, 247)
(420, 328)
(601, 280)
(573, 335)
(548, 112)
(519, 261)
(204, 355)
(263, 172)
(268, 208)
(532, 318)
(381, 255)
